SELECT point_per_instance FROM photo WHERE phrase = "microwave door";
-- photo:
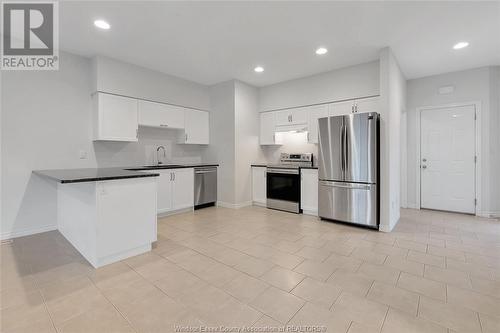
(360, 147)
(330, 160)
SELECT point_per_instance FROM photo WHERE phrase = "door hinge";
(475, 202)
(475, 158)
(475, 116)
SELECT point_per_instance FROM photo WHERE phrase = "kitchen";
(101, 158)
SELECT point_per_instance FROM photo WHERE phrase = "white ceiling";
(211, 42)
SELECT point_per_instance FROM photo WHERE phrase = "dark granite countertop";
(258, 165)
(99, 174)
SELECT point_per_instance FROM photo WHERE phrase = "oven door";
(283, 189)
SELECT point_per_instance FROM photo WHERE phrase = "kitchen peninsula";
(107, 214)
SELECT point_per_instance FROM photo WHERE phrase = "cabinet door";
(160, 115)
(183, 188)
(298, 116)
(341, 108)
(126, 215)
(267, 127)
(283, 117)
(367, 105)
(309, 191)
(315, 112)
(115, 118)
(196, 125)
(259, 185)
(165, 181)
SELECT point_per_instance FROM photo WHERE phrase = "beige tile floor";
(436, 272)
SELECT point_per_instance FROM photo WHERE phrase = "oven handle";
(283, 171)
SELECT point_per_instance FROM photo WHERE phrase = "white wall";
(392, 105)
(470, 85)
(113, 76)
(345, 83)
(46, 121)
(340, 84)
(222, 140)
(494, 209)
(247, 151)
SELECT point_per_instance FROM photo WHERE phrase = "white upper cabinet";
(154, 114)
(340, 108)
(354, 106)
(115, 118)
(291, 117)
(267, 128)
(196, 127)
(367, 105)
(314, 113)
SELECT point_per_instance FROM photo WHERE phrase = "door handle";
(342, 149)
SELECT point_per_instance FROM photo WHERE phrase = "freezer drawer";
(348, 202)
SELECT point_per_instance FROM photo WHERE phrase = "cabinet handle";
(186, 137)
(163, 125)
(307, 136)
(170, 176)
(274, 138)
(173, 173)
(291, 118)
(352, 108)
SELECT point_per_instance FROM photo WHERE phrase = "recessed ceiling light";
(460, 45)
(321, 51)
(101, 24)
(259, 69)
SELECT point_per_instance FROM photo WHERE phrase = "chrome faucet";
(158, 154)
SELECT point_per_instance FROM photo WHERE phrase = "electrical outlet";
(82, 154)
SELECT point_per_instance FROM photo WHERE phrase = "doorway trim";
(477, 133)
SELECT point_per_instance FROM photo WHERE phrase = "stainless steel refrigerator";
(349, 168)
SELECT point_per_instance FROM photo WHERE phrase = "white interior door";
(447, 159)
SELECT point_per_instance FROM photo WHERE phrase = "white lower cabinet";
(309, 191)
(108, 221)
(175, 189)
(259, 186)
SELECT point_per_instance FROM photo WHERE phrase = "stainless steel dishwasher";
(205, 187)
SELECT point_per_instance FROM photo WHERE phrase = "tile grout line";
(47, 309)
(113, 304)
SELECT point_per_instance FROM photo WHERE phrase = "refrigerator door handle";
(353, 186)
(342, 150)
(346, 152)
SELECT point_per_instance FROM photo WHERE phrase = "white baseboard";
(260, 204)
(490, 215)
(28, 231)
(233, 206)
(310, 212)
(161, 214)
(411, 205)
